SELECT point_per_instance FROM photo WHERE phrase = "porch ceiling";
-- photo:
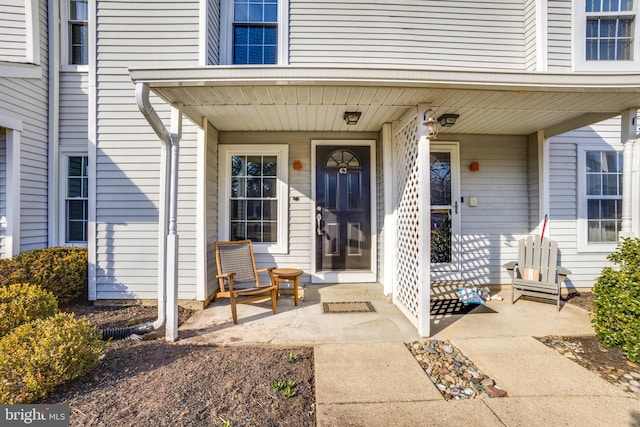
(315, 99)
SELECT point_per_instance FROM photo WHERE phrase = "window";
(78, 32)
(609, 35)
(601, 189)
(76, 200)
(254, 31)
(254, 196)
(606, 35)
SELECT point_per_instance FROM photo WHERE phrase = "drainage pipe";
(142, 99)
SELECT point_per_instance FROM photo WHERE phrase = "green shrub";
(21, 303)
(40, 355)
(7, 269)
(62, 271)
(616, 311)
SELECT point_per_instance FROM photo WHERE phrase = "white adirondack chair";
(537, 273)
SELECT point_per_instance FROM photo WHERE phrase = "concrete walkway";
(365, 376)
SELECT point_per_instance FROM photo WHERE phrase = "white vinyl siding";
(530, 35)
(490, 231)
(212, 207)
(13, 34)
(134, 34)
(564, 215)
(533, 178)
(3, 192)
(380, 208)
(213, 33)
(559, 33)
(486, 34)
(74, 109)
(26, 100)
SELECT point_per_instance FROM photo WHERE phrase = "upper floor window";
(78, 28)
(254, 31)
(609, 35)
(606, 35)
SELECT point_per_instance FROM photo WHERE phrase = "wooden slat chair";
(536, 273)
(238, 276)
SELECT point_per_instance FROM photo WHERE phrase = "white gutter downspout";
(53, 120)
(142, 98)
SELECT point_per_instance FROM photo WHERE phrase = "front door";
(343, 208)
(445, 208)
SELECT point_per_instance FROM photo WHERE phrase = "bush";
(21, 303)
(62, 271)
(40, 355)
(7, 269)
(616, 312)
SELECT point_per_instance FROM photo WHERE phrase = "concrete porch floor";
(306, 324)
(365, 376)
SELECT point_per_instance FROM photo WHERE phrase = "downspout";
(142, 99)
(53, 120)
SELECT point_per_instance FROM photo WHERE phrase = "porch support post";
(424, 229)
(543, 181)
(628, 135)
(389, 259)
(172, 238)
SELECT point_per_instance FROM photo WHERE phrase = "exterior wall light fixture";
(447, 120)
(352, 117)
(431, 125)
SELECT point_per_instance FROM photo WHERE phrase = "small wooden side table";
(288, 274)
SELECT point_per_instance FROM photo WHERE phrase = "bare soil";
(610, 363)
(152, 382)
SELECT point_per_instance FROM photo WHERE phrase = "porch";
(296, 110)
(307, 324)
(364, 374)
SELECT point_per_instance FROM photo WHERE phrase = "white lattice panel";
(407, 191)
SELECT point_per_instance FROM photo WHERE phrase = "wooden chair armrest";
(511, 268)
(263, 270)
(510, 265)
(225, 275)
(563, 271)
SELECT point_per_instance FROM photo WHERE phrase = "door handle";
(319, 229)
(455, 206)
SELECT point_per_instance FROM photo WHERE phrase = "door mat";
(348, 307)
(442, 307)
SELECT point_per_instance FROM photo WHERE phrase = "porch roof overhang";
(274, 98)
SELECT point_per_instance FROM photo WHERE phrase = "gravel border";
(453, 374)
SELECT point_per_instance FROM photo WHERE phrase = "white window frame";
(582, 199)
(65, 39)
(62, 224)
(281, 151)
(579, 39)
(226, 34)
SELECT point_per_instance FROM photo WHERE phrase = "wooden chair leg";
(274, 300)
(234, 310)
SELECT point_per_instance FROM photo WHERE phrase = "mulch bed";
(152, 382)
